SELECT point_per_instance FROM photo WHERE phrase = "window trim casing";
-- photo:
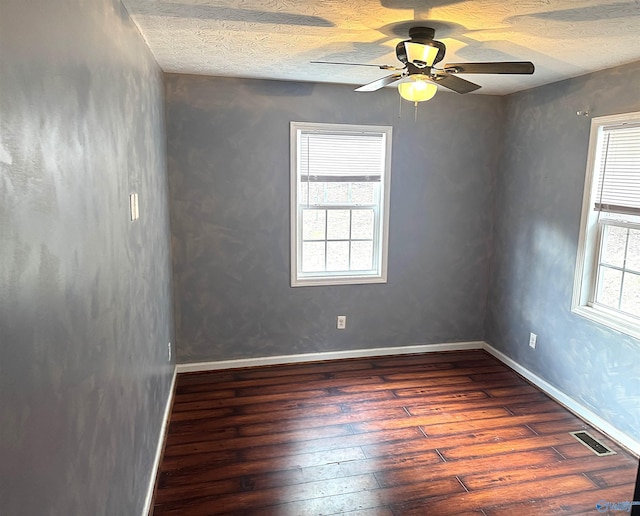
(384, 203)
(589, 242)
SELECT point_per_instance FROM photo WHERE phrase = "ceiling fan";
(419, 75)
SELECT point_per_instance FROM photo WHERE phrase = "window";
(339, 203)
(607, 283)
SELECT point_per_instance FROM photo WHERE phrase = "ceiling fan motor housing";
(422, 36)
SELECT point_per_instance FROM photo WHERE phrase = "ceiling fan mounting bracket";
(421, 33)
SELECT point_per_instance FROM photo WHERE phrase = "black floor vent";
(592, 443)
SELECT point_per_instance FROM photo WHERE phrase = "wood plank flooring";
(454, 433)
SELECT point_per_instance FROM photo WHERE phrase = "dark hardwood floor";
(452, 433)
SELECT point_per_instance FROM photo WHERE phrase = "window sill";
(336, 280)
(613, 320)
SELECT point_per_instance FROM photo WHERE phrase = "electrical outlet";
(532, 340)
(169, 350)
(341, 322)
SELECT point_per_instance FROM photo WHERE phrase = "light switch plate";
(133, 205)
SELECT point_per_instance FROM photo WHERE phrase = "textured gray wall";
(228, 152)
(85, 305)
(538, 206)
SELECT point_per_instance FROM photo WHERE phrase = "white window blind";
(618, 165)
(326, 156)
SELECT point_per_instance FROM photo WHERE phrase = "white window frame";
(591, 232)
(381, 236)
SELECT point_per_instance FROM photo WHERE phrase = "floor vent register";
(592, 443)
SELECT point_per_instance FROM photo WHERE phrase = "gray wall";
(538, 204)
(85, 305)
(228, 156)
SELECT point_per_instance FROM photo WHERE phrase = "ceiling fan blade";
(511, 67)
(380, 66)
(457, 84)
(380, 83)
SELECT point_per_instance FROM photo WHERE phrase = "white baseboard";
(156, 462)
(328, 355)
(569, 403)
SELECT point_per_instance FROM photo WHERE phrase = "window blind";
(326, 156)
(618, 167)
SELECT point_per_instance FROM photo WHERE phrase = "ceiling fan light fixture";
(417, 88)
(420, 55)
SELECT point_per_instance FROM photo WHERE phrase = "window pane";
(312, 256)
(362, 256)
(362, 222)
(315, 190)
(338, 224)
(631, 294)
(613, 245)
(633, 250)
(303, 193)
(362, 193)
(338, 192)
(337, 256)
(313, 224)
(609, 283)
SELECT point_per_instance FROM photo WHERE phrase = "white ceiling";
(277, 39)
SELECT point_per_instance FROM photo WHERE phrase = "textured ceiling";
(278, 39)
